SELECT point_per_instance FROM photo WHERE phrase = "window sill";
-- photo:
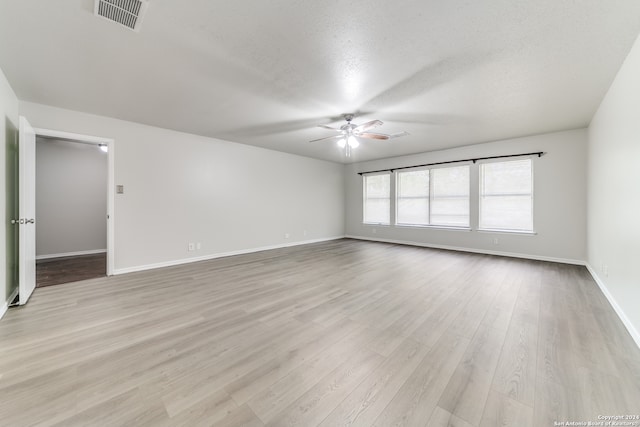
(376, 224)
(489, 230)
(434, 227)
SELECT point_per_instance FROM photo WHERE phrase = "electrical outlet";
(495, 240)
(287, 235)
(374, 231)
(304, 233)
(606, 270)
(191, 247)
(198, 246)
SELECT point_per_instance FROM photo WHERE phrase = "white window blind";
(506, 196)
(434, 197)
(377, 199)
(413, 198)
(450, 196)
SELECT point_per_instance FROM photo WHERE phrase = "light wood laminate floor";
(338, 333)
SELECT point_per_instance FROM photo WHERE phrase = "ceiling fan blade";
(373, 135)
(398, 135)
(366, 126)
(327, 138)
(328, 127)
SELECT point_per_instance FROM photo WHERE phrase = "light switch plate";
(120, 189)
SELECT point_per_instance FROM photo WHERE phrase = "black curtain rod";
(538, 153)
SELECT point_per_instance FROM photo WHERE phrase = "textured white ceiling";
(266, 72)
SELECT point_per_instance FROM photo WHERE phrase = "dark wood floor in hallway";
(55, 271)
(344, 332)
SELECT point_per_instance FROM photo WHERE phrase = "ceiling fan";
(349, 134)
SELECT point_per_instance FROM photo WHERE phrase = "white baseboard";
(218, 255)
(5, 306)
(67, 254)
(473, 250)
(616, 307)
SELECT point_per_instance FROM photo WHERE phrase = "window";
(434, 197)
(413, 198)
(450, 196)
(377, 199)
(506, 196)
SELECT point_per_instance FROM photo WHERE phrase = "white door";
(27, 210)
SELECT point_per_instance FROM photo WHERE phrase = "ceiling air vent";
(128, 13)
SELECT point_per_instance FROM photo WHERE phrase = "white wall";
(181, 188)
(71, 197)
(8, 143)
(614, 192)
(559, 200)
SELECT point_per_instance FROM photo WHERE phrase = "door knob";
(23, 221)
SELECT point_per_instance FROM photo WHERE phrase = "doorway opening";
(74, 205)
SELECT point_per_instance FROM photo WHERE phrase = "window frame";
(531, 195)
(430, 199)
(365, 198)
(397, 198)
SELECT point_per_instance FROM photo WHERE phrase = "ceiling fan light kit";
(349, 134)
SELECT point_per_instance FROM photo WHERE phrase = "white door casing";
(27, 210)
(110, 143)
